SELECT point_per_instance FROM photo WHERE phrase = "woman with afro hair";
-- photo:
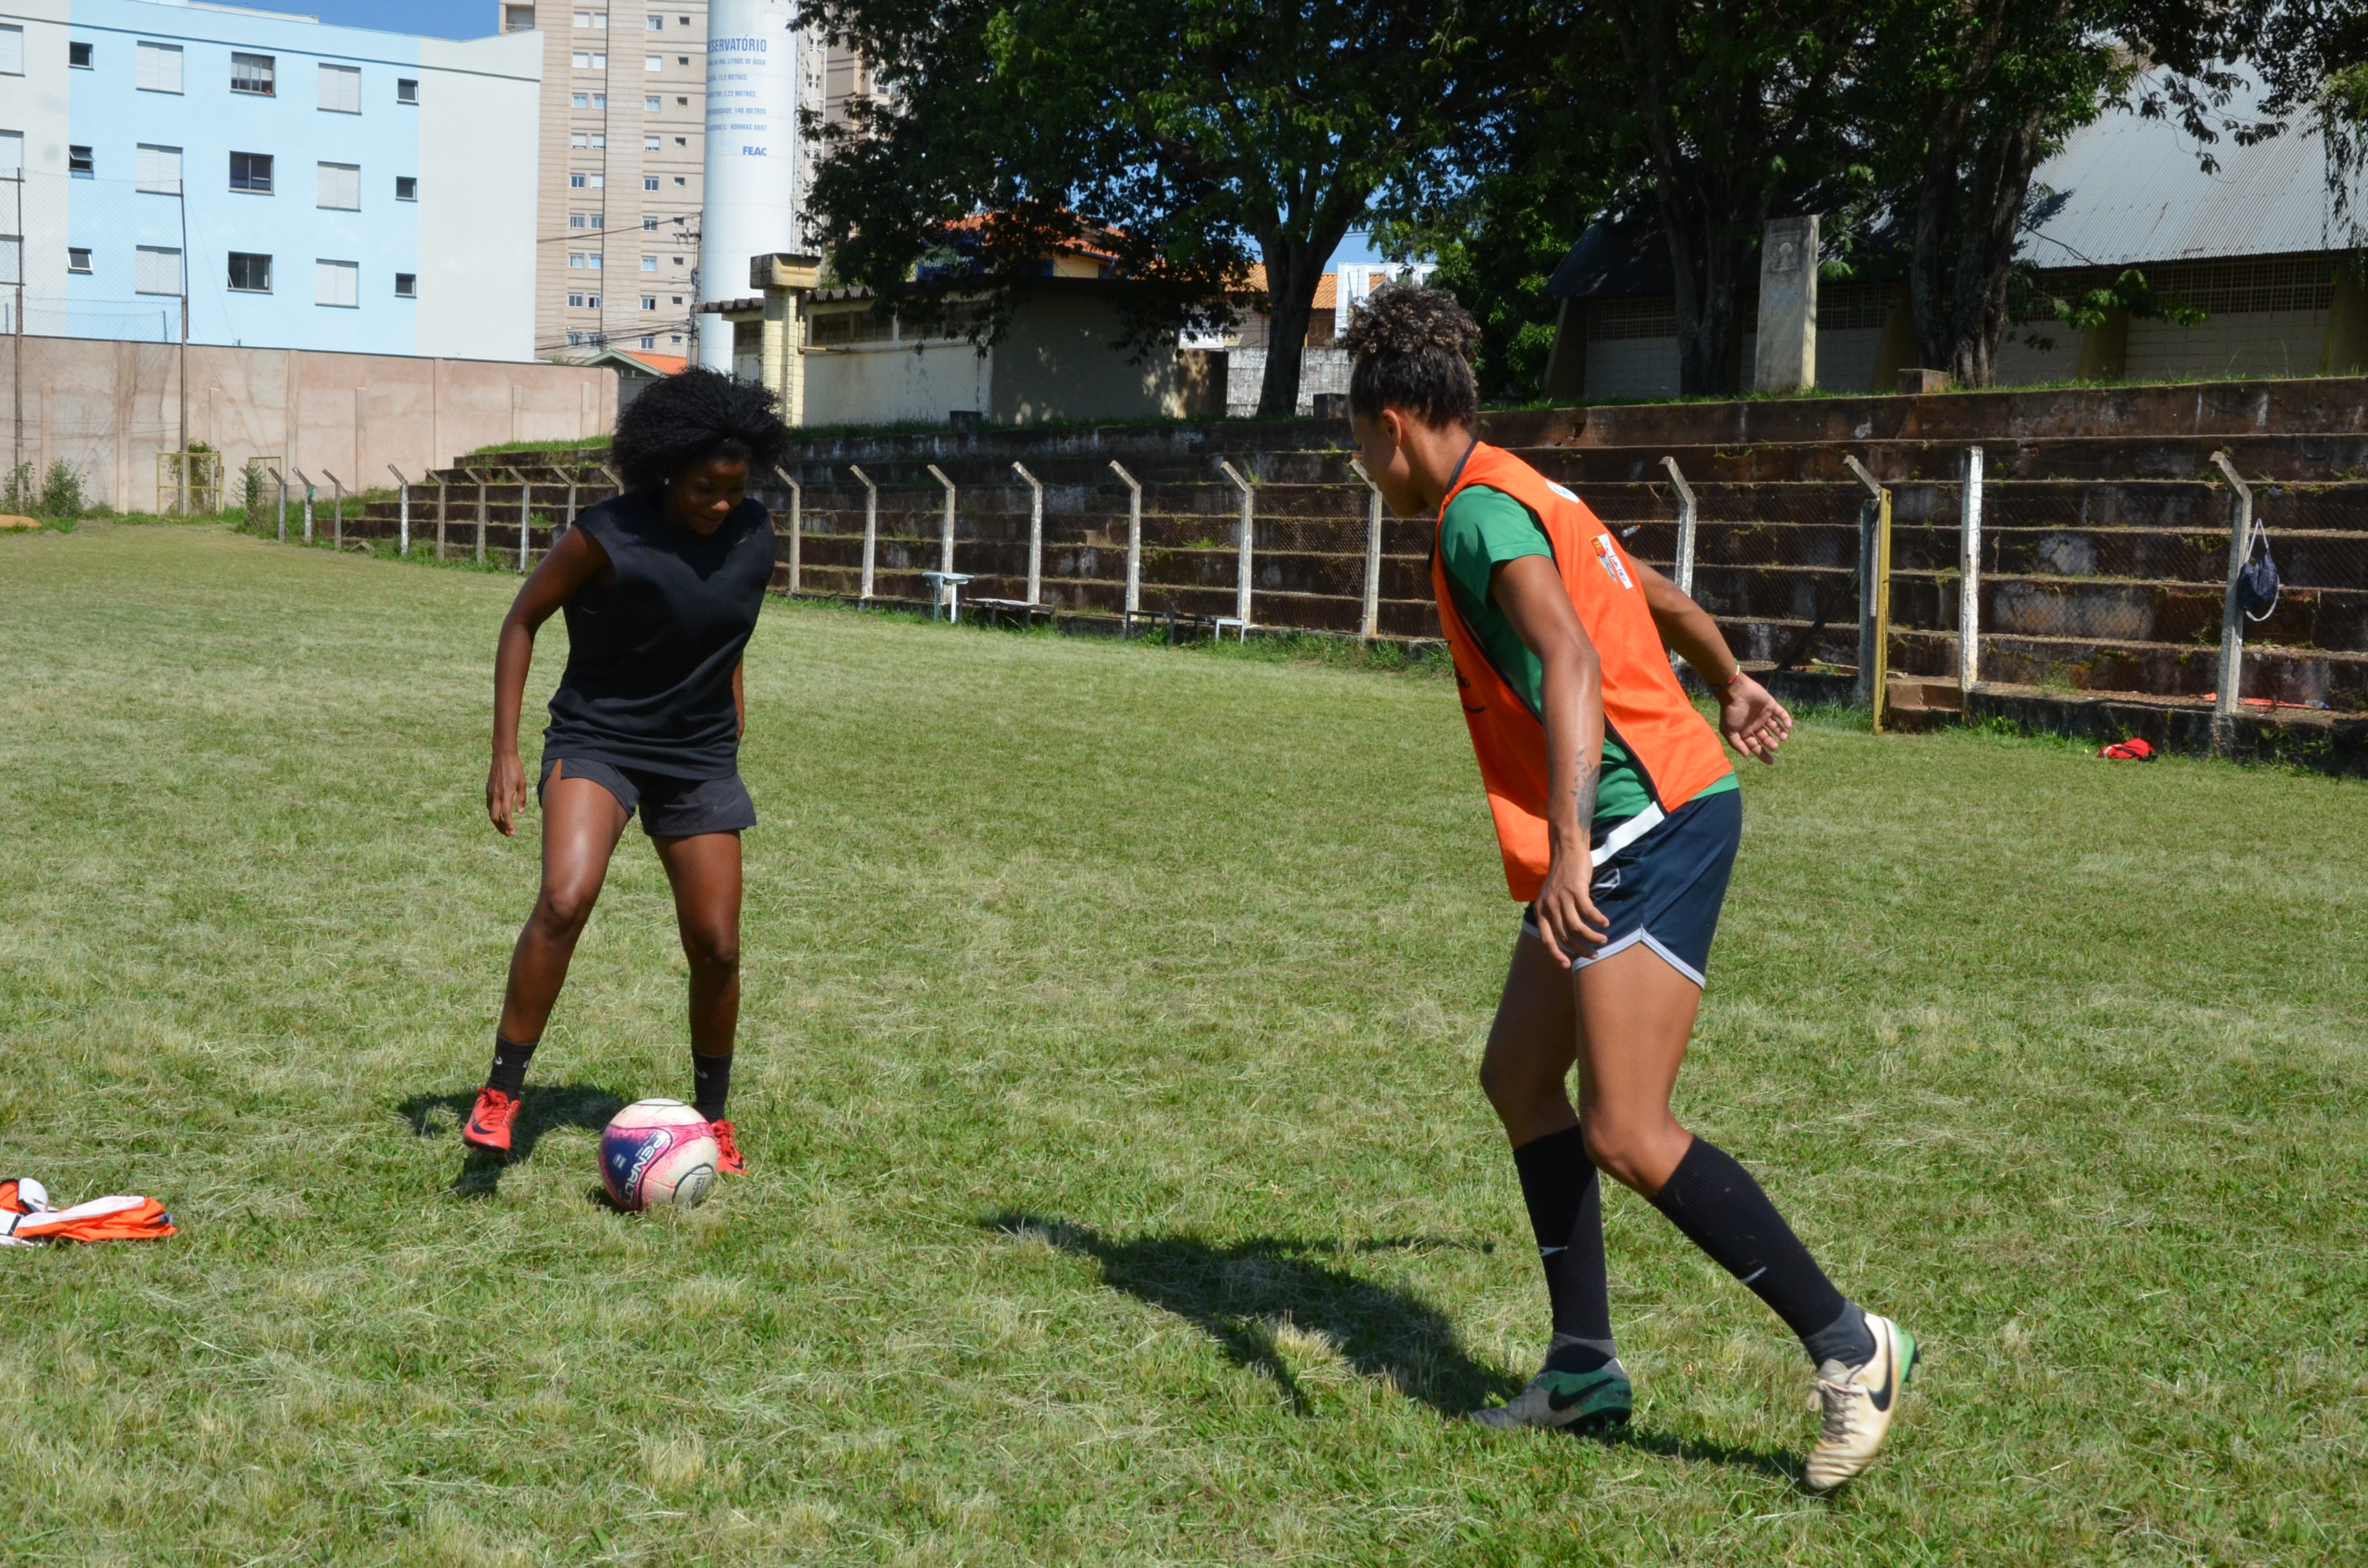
(1617, 815)
(661, 587)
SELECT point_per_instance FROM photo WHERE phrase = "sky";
(476, 19)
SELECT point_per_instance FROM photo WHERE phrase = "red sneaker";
(729, 1162)
(488, 1126)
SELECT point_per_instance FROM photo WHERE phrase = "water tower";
(752, 175)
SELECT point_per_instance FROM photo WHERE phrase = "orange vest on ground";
(1645, 709)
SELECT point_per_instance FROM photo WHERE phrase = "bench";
(945, 591)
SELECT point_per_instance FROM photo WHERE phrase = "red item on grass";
(2134, 749)
(28, 1217)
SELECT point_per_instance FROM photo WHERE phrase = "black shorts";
(1664, 889)
(670, 807)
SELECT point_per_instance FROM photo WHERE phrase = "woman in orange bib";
(1618, 817)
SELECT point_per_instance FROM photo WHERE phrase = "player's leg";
(1525, 1073)
(1636, 1013)
(582, 818)
(704, 870)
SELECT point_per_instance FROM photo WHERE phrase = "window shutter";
(160, 68)
(12, 152)
(341, 187)
(159, 169)
(11, 258)
(336, 283)
(341, 88)
(159, 270)
(12, 51)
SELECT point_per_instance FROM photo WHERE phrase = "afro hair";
(1412, 348)
(691, 416)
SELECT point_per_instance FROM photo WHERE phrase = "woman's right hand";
(506, 791)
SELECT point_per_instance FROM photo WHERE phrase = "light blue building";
(318, 188)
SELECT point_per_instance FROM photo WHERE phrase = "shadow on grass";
(541, 1109)
(1243, 1293)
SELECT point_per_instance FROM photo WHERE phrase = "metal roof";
(2126, 190)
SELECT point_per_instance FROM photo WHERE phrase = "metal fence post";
(336, 510)
(443, 510)
(2232, 611)
(1969, 576)
(282, 480)
(306, 481)
(1369, 620)
(1683, 574)
(1133, 542)
(946, 536)
(871, 528)
(1874, 592)
(1242, 571)
(479, 476)
(797, 507)
(570, 521)
(1035, 533)
(525, 514)
(402, 511)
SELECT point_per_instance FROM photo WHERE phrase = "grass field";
(1120, 1190)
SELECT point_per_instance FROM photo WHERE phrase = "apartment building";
(616, 215)
(265, 180)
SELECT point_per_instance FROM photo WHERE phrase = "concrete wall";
(107, 408)
(477, 256)
(890, 383)
(1057, 362)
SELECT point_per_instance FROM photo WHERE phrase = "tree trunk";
(1293, 268)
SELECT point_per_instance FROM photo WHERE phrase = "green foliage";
(60, 492)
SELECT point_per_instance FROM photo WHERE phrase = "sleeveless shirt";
(650, 657)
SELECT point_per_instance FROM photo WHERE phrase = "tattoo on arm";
(1591, 774)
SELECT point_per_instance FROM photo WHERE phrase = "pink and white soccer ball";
(659, 1154)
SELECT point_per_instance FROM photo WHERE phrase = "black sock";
(511, 1058)
(1722, 1210)
(711, 1078)
(1565, 1203)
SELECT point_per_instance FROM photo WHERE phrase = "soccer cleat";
(1577, 1402)
(488, 1126)
(1858, 1404)
(728, 1161)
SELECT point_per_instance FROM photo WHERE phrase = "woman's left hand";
(1751, 718)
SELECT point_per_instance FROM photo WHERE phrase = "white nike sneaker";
(1858, 1404)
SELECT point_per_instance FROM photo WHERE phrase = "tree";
(1185, 137)
(1970, 95)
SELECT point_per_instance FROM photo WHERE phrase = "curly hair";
(1413, 352)
(691, 416)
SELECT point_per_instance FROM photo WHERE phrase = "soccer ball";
(659, 1154)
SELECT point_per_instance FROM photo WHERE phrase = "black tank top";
(650, 657)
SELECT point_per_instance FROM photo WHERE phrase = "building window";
(160, 67)
(680, 179)
(579, 138)
(591, 18)
(159, 270)
(341, 89)
(78, 258)
(578, 182)
(584, 301)
(650, 224)
(579, 100)
(649, 264)
(406, 90)
(159, 169)
(649, 182)
(340, 187)
(587, 221)
(407, 286)
(657, 23)
(650, 104)
(79, 162)
(249, 273)
(518, 20)
(253, 74)
(576, 259)
(574, 302)
(653, 63)
(574, 340)
(588, 62)
(78, 56)
(677, 299)
(653, 144)
(684, 102)
(406, 188)
(337, 283)
(650, 342)
(593, 259)
(600, 141)
(251, 171)
(682, 140)
(12, 50)
(649, 301)
(682, 60)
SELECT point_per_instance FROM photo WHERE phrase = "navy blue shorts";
(1664, 888)
(670, 807)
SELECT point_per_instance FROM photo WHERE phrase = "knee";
(712, 949)
(561, 912)
(1635, 1154)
